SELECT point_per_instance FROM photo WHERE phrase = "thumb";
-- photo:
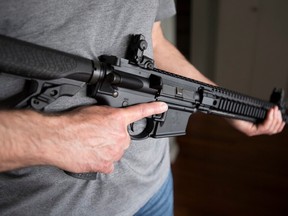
(140, 111)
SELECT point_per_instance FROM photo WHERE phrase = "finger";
(277, 119)
(140, 111)
(267, 125)
(281, 127)
(108, 168)
(281, 123)
(275, 125)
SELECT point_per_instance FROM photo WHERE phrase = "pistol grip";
(84, 176)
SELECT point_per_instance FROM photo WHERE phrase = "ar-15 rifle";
(119, 82)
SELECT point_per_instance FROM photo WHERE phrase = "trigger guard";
(145, 133)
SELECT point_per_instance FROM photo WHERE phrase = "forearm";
(19, 144)
(168, 57)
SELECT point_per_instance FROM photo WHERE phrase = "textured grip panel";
(34, 61)
(84, 176)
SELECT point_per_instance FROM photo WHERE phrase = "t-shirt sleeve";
(166, 9)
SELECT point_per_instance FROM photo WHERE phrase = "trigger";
(160, 117)
(131, 126)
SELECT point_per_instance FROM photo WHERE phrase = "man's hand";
(273, 124)
(87, 139)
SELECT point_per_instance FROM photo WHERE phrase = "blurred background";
(243, 46)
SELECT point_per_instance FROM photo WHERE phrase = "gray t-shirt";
(86, 28)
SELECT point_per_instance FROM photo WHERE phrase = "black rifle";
(119, 82)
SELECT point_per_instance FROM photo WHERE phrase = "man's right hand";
(87, 139)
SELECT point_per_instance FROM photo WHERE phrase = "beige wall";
(252, 46)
